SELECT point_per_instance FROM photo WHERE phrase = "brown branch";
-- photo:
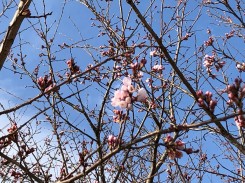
(26, 170)
(12, 31)
(222, 130)
(140, 139)
(56, 87)
(41, 16)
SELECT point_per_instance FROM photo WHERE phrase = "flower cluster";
(236, 93)
(45, 83)
(212, 61)
(112, 141)
(206, 101)
(12, 136)
(156, 53)
(141, 95)
(124, 96)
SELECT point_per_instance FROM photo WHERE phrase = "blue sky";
(77, 17)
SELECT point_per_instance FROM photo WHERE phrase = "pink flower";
(123, 104)
(157, 68)
(124, 88)
(127, 81)
(121, 98)
(115, 102)
(142, 95)
(178, 154)
(153, 53)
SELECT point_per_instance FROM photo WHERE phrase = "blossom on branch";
(124, 96)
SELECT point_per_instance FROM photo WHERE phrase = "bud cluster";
(112, 141)
(45, 83)
(119, 116)
(12, 136)
(136, 68)
(209, 42)
(174, 149)
(236, 93)
(24, 152)
(206, 101)
(110, 52)
(74, 69)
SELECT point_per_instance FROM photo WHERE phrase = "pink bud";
(200, 102)
(212, 104)
(188, 150)
(110, 138)
(178, 154)
(208, 94)
(180, 145)
(168, 139)
(199, 94)
(143, 61)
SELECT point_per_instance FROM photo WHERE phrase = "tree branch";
(12, 31)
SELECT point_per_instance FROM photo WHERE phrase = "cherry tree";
(122, 91)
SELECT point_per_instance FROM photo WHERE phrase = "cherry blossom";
(157, 68)
(124, 98)
(153, 53)
(142, 95)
